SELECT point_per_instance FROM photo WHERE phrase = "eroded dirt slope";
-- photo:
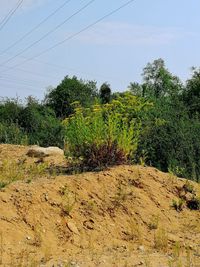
(119, 217)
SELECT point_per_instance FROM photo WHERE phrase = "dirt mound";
(119, 217)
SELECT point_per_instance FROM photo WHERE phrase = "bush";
(41, 124)
(12, 134)
(170, 139)
(100, 137)
(194, 203)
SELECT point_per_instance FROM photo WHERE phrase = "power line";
(18, 82)
(36, 27)
(4, 85)
(73, 35)
(49, 32)
(16, 79)
(10, 14)
(59, 67)
(6, 16)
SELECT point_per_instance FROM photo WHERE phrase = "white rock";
(41, 152)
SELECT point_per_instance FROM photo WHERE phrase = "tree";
(158, 81)
(10, 110)
(41, 124)
(191, 95)
(137, 89)
(68, 91)
(105, 93)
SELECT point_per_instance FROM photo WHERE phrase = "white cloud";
(117, 33)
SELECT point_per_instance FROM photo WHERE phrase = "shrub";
(178, 205)
(101, 136)
(12, 134)
(194, 203)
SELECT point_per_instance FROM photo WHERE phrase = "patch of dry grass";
(11, 171)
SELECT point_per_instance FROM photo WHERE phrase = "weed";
(11, 171)
(176, 170)
(188, 187)
(91, 205)
(3, 184)
(143, 158)
(172, 179)
(121, 196)
(176, 250)
(178, 204)
(68, 200)
(134, 232)
(154, 221)
(37, 241)
(161, 240)
(99, 137)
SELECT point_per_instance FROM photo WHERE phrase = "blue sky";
(115, 50)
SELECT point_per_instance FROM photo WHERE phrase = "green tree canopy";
(68, 91)
(105, 93)
(191, 95)
(158, 81)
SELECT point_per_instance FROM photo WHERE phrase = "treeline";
(156, 122)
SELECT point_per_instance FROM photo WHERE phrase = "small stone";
(89, 224)
(28, 238)
(141, 248)
(72, 227)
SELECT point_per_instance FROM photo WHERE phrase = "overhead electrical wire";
(35, 27)
(3, 84)
(5, 17)
(10, 14)
(66, 39)
(49, 32)
(17, 78)
(71, 36)
(59, 67)
(19, 82)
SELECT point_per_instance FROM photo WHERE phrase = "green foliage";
(191, 94)
(69, 91)
(170, 138)
(136, 89)
(158, 81)
(178, 204)
(11, 171)
(10, 110)
(11, 133)
(157, 122)
(41, 124)
(32, 123)
(194, 203)
(104, 135)
(105, 93)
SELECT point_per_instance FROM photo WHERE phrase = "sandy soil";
(119, 217)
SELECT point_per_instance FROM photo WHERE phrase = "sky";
(115, 50)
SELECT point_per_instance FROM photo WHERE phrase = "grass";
(11, 171)
(68, 200)
(178, 205)
(161, 240)
(154, 222)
